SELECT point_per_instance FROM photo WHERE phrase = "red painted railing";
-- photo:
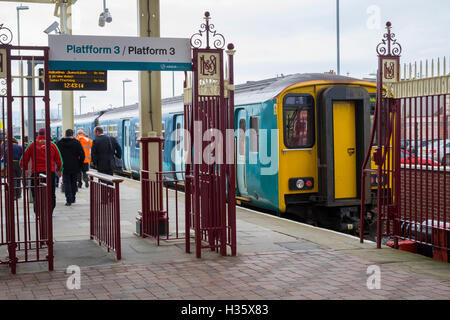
(157, 212)
(105, 211)
(424, 177)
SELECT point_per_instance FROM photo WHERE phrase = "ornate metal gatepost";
(388, 118)
(209, 112)
(7, 230)
(25, 229)
(387, 153)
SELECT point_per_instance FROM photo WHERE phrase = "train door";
(241, 149)
(126, 145)
(179, 147)
(344, 149)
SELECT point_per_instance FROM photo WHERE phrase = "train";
(300, 141)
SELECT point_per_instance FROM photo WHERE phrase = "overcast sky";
(270, 37)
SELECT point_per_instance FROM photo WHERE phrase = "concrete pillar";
(150, 81)
(66, 96)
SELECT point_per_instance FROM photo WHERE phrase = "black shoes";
(68, 204)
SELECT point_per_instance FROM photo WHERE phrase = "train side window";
(242, 137)
(254, 134)
(113, 131)
(136, 134)
(298, 118)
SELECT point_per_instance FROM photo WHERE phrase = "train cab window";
(136, 134)
(254, 134)
(242, 137)
(298, 118)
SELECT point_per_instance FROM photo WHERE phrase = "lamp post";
(338, 39)
(30, 125)
(81, 97)
(18, 8)
(123, 89)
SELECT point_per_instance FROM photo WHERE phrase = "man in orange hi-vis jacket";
(86, 143)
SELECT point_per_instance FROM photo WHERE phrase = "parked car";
(438, 149)
(413, 146)
(408, 158)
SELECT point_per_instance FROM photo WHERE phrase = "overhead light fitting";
(108, 16)
(101, 20)
(105, 16)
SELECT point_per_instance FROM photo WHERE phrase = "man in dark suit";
(103, 150)
(73, 158)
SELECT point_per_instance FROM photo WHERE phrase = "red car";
(409, 158)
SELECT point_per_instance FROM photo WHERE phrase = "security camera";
(108, 16)
(52, 27)
(101, 20)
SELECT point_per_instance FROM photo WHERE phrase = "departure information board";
(75, 80)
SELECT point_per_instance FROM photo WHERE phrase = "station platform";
(277, 259)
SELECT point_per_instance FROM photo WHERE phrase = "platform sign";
(75, 80)
(69, 52)
(2, 63)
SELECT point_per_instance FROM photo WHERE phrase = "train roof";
(87, 117)
(263, 90)
(126, 112)
(246, 93)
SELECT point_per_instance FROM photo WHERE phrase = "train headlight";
(300, 184)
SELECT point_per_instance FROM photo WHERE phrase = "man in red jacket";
(38, 148)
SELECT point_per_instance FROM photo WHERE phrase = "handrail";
(163, 172)
(104, 177)
(105, 211)
(150, 139)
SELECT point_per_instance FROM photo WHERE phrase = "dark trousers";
(82, 175)
(17, 180)
(70, 186)
(109, 172)
(53, 189)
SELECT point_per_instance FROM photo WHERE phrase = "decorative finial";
(197, 38)
(389, 45)
(6, 35)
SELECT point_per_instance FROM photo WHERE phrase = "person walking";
(103, 150)
(86, 143)
(17, 155)
(36, 152)
(73, 158)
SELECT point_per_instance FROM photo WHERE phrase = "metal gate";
(25, 200)
(209, 119)
(413, 153)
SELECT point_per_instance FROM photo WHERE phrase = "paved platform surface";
(277, 259)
